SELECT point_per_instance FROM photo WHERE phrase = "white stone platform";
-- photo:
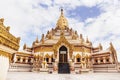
(44, 76)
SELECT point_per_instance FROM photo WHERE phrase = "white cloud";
(27, 15)
(106, 27)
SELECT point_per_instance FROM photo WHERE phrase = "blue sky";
(97, 19)
(82, 12)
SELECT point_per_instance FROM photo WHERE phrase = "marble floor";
(44, 76)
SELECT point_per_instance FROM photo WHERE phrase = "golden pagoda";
(63, 50)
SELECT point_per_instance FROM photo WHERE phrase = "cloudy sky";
(97, 19)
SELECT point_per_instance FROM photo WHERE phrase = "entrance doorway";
(63, 66)
(63, 54)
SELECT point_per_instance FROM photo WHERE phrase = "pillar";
(57, 56)
(21, 59)
(75, 60)
(93, 60)
(32, 60)
(98, 60)
(26, 60)
(50, 60)
(88, 63)
(111, 59)
(15, 58)
(4, 65)
(68, 56)
(104, 59)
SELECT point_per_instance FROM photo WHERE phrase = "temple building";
(63, 50)
(9, 44)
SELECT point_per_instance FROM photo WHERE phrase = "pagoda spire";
(24, 46)
(62, 12)
(37, 39)
(87, 40)
(1, 21)
(81, 36)
(100, 46)
(111, 46)
(62, 22)
(42, 39)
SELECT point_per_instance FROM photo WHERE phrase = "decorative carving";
(76, 32)
(47, 56)
(42, 39)
(74, 37)
(1, 21)
(8, 28)
(37, 40)
(44, 64)
(24, 47)
(100, 47)
(6, 54)
(61, 41)
(9, 43)
(112, 49)
(18, 40)
(78, 55)
(81, 37)
(87, 41)
(8, 39)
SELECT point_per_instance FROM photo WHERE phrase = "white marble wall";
(4, 65)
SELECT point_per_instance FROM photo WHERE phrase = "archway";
(63, 55)
(63, 66)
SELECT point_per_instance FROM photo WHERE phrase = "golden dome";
(62, 22)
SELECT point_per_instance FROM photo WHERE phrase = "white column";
(93, 60)
(75, 60)
(32, 60)
(98, 60)
(26, 60)
(68, 56)
(111, 59)
(15, 58)
(57, 56)
(50, 60)
(21, 59)
(88, 63)
(4, 65)
(104, 59)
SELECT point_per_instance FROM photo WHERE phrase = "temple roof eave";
(101, 52)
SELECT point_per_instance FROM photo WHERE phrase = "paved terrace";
(44, 76)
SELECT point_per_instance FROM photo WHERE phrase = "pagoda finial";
(8, 28)
(81, 36)
(25, 46)
(111, 46)
(1, 21)
(61, 11)
(100, 46)
(62, 22)
(87, 41)
(42, 39)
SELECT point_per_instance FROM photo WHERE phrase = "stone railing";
(20, 67)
